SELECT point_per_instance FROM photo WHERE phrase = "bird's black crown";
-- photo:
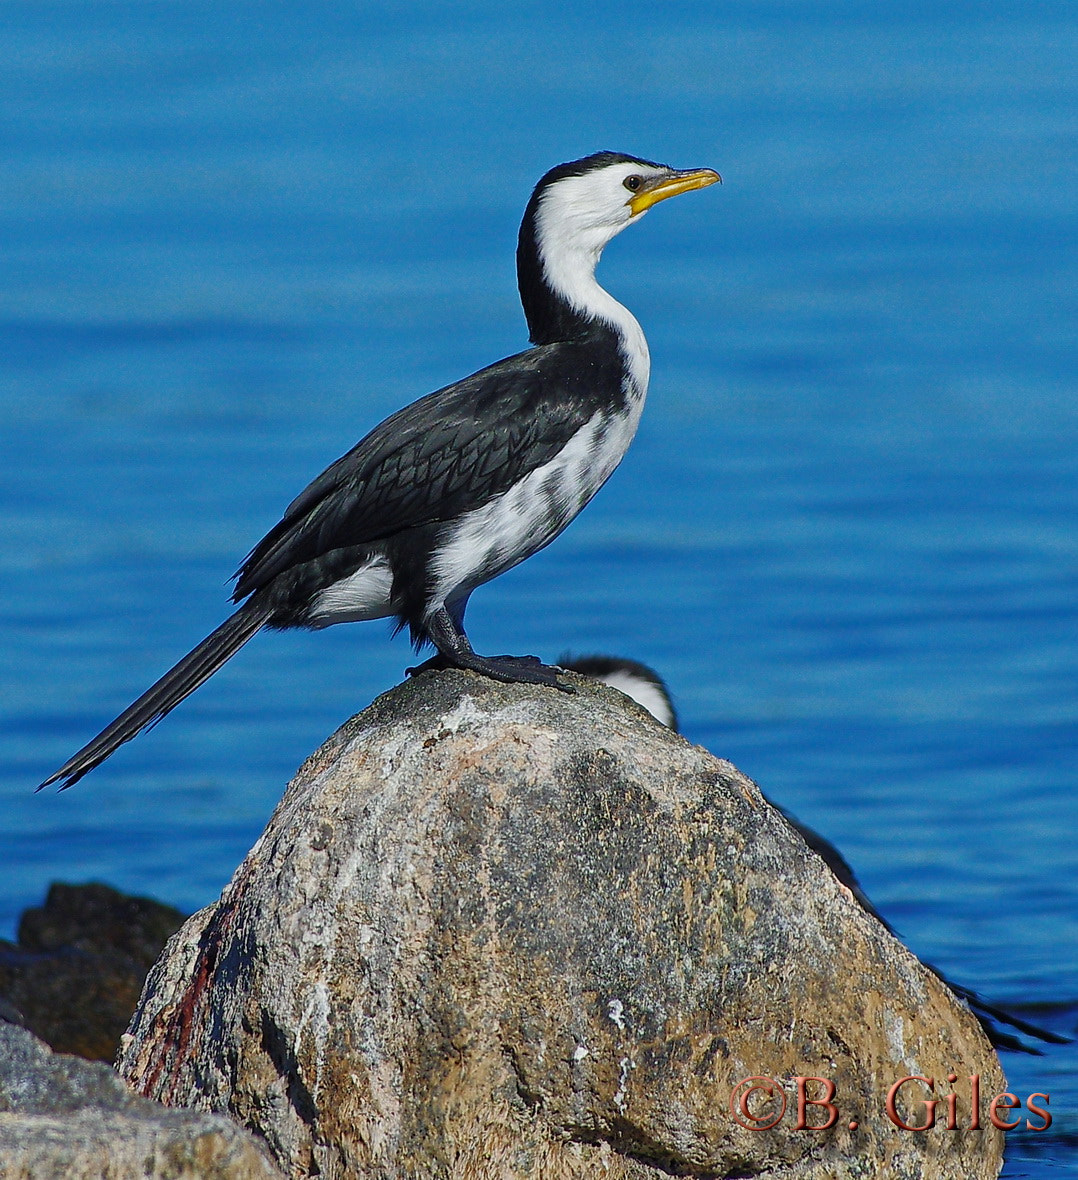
(591, 163)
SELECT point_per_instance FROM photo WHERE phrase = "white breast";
(518, 523)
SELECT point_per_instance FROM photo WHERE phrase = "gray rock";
(498, 931)
(63, 1118)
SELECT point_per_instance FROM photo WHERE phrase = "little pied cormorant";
(467, 482)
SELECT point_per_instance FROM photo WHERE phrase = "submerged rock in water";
(498, 931)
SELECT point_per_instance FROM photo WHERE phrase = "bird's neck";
(563, 302)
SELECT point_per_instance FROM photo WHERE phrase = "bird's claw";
(507, 669)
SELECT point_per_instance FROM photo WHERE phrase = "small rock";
(498, 931)
(75, 975)
(63, 1118)
(99, 919)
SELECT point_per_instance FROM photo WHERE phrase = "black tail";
(176, 685)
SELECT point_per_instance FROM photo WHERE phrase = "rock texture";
(498, 931)
(63, 1118)
(75, 975)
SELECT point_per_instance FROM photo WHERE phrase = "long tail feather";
(176, 684)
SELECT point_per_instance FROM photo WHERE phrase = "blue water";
(235, 236)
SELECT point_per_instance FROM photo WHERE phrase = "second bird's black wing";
(441, 456)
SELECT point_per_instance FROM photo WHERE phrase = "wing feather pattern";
(434, 460)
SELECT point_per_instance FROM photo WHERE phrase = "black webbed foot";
(508, 669)
(446, 631)
(436, 663)
(516, 670)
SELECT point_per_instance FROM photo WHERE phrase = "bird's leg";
(454, 651)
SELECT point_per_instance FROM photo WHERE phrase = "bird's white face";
(580, 214)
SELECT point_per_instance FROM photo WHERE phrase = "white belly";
(361, 596)
(518, 523)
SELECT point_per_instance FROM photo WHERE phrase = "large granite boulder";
(499, 931)
(63, 1118)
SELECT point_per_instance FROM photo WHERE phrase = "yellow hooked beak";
(671, 185)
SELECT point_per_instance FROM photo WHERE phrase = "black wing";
(443, 455)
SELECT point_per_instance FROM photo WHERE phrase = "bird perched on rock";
(645, 686)
(463, 484)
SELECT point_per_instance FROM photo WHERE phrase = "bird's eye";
(633, 183)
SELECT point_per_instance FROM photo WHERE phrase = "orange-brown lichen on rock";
(497, 931)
